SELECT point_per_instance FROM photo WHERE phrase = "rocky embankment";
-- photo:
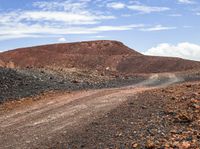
(17, 84)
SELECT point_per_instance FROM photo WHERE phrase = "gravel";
(17, 84)
(160, 118)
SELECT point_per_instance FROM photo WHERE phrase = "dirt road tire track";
(41, 121)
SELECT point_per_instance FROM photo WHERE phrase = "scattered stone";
(196, 106)
(28, 142)
(173, 98)
(165, 124)
(184, 145)
(183, 118)
(18, 83)
(150, 144)
(135, 145)
(75, 81)
(188, 85)
(194, 100)
(144, 107)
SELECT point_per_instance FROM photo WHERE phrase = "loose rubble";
(171, 119)
(18, 84)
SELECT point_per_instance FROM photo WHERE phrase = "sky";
(152, 27)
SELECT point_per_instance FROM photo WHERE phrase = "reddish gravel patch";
(162, 118)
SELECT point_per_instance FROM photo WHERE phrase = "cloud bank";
(157, 28)
(184, 50)
(55, 18)
(186, 1)
(137, 7)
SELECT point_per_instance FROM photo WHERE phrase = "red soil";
(155, 64)
(93, 55)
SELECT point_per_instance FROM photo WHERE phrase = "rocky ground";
(58, 104)
(17, 84)
(22, 83)
(123, 117)
(160, 118)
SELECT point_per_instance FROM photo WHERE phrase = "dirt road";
(27, 127)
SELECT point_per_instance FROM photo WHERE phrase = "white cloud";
(157, 28)
(116, 28)
(175, 15)
(97, 37)
(54, 18)
(11, 36)
(23, 30)
(147, 9)
(186, 1)
(79, 6)
(198, 13)
(187, 26)
(38, 16)
(62, 39)
(48, 19)
(73, 12)
(65, 5)
(126, 15)
(116, 5)
(184, 50)
(136, 6)
(69, 18)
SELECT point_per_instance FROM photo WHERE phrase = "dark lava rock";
(17, 84)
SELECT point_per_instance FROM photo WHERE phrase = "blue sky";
(154, 27)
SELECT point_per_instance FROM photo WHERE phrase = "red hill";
(93, 55)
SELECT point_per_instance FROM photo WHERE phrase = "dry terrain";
(105, 57)
(160, 118)
(98, 94)
(33, 125)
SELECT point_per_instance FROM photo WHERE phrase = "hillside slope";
(155, 64)
(101, 56)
